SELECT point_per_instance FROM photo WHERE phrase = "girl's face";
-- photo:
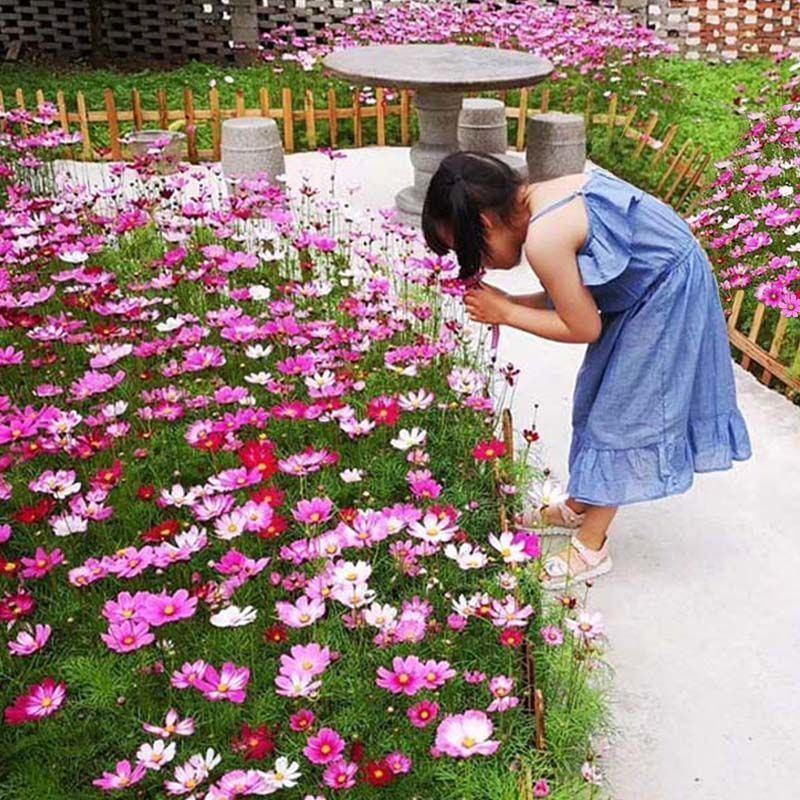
(503, 243)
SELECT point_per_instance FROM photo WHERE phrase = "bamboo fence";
(681, 168)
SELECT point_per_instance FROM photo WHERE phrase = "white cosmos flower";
(348, 572)
(467, 556)
(504, 544)
(233, 617)
(415, 401)
(169, 324)
(548, 493)
(432, 529)
(257, 350)
(320, 380)
(351, 475)
(155, 755)
(259, 378)
(407, 439)
(379, 616)
(352, 595)
(284, 776)
(258, 292)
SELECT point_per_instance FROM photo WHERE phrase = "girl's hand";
(487, 304)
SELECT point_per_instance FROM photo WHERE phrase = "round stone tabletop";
(440, 67)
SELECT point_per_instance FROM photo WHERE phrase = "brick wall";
(723, 29)
(179, 30)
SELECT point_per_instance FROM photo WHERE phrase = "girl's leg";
(592, 534)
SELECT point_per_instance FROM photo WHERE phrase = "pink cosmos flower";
(314, 511)
(155, 755)
(303, 612)
(407, 676)
(311, 659)
(465, 735)
(586, 627)
(302, 720)
(159, 609)
(437, 673)
(123, 777)
(26, 644)
(422, 714)
(41, 564)
(124, 637)
(230, 683)
(189, 675)
(125, 607)
(340, 774)
(45, 698)
(541, 788)
(399, 763)
(173, 726)
(324, 747)
(552, 635)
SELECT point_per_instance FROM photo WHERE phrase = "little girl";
(654, 399)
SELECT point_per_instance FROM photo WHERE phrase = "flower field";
(256, 498)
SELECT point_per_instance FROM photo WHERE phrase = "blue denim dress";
(655, 398)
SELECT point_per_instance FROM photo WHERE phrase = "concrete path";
(702, 609)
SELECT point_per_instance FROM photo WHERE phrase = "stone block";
(482, 125)
(556, 145)
(251, 145)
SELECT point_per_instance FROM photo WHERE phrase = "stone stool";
(482, 127)
(556, 145)
(251, 145)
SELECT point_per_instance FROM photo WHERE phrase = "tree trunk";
(97, 32)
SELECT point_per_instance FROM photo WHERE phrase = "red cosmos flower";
(530, 435)
(485, 451)
(510, 637)
(276, 527)
(146, 492)
(12, 607)
(254, 743)
(269, 494)
(276, 634)
(259, 455)
(383, 410)
(357, 752)
(8, 569)
(161, 532)
(212, 443)
(378, 773)
(348, 515)
(30, 515)
(107, 479)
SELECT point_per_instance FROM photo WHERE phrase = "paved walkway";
(703, 606)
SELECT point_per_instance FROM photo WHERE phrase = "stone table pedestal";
(440, 74)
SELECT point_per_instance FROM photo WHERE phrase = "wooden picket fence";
(682, 176)
(681, 182)
(766, 364)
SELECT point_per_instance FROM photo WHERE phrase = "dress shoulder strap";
(569, 197)
(556, 204)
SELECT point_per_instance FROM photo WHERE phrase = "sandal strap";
(589, 556)
(570, 517)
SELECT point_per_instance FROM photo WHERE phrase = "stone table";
(440, 74)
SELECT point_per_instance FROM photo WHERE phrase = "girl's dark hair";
(465, 184)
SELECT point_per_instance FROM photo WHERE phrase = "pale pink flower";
(26, 644)
(123, 777)
(465, 735)
(173, 725)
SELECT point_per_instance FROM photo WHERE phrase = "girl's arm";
(575, 319)
(535, 300)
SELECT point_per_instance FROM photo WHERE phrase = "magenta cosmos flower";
(123, 776)
(127, 636)
(465, 735)
(230, 683)
(340, 774)
(158, 609)
(324, 747)
(407, 676)
(45, 698)
(422, 714)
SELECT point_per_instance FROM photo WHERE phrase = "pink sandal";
(556, 572)
(532, 515)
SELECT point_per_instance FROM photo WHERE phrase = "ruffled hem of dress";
(607, 477)
(608, 249)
